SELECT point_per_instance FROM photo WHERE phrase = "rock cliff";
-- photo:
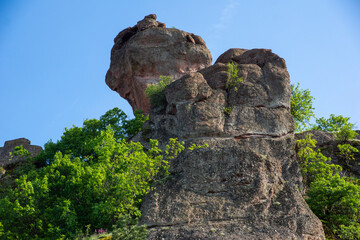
(246, 184)
(144, 52)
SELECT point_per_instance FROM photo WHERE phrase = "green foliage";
(194, 146)
(1, 229)
(80, 141)
(339, 125)
(234, 81)
(345, 133)
(337, 203)
(156, 91)
(332, 124)
(63, 197)
(227, 111)
(301, 107)
(335, 200)
(313, 164)
(19, 151)
(127, 228)
(347, 151)
(93, 178)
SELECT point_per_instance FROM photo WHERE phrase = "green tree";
(80, 141)
(339, 125)
(61, 199)
(234, 80)
(335, 200)
(301, 107)
(332, 124)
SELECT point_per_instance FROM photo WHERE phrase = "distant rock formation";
(245, 185)
(9, 146)
(141, 54)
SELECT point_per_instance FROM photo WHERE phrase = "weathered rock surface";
(9, 146)
(245, 185)
(229, 54)
(141, 54)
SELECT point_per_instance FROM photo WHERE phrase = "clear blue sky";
(54, 54)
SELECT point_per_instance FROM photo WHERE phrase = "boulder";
(247, 183)
(143, 53)
(227, 56)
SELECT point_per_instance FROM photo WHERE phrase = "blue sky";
(54, 54)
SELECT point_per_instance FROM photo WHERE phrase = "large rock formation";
(141, 54)
(246, 184)
(9, 146)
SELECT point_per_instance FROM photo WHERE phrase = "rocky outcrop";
(328, 146)
(245, 185)
(141, 54)
(9, 146)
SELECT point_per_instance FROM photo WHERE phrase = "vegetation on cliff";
(333, 197)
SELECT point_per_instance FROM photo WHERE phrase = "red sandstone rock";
(143, 53)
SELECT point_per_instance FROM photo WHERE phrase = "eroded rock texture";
(245, 185)
(141, 54)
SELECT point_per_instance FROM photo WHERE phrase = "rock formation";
(141, 54)
(245, 185)
(9, 146)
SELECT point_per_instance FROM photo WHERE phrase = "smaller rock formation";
(9, 146)
(144, 52)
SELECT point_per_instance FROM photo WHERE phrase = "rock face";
(245, 185)
(141, 54)
(9, 146)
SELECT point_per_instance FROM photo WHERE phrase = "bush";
(335, 200)
(339, 125)
(313, 164)
(301, 107)
(332, 124)
(156, 91)
(345, 133)
(347, 151)
(234, 80)
(227, 111)
(337, 203)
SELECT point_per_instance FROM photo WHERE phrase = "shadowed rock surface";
(245, 185)
(141, 54)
